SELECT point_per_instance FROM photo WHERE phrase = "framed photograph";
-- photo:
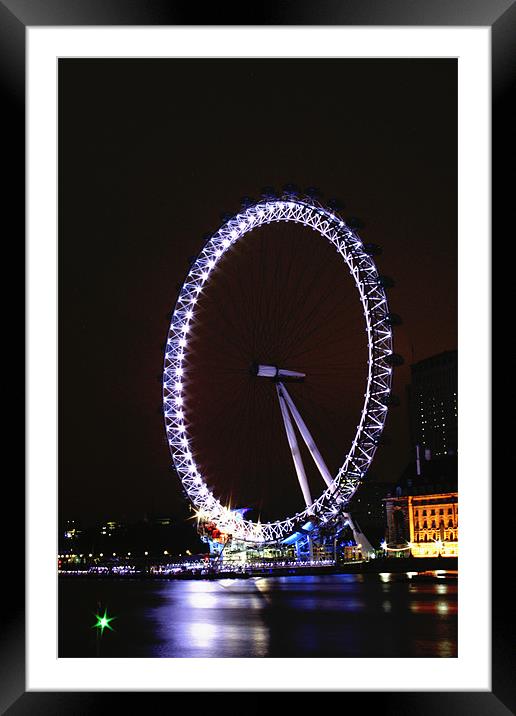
(155, 145)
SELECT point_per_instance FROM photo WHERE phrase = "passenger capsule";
(386, 281)
(393, 319)
(372, 249)
(392, 401)
(394, 360)
(354, 222)
(269, 192)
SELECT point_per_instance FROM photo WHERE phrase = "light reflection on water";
(330, 615)
(202, 635)
(432, 608)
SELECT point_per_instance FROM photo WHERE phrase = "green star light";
(103, 622)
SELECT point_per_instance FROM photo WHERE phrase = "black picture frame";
(500, 16)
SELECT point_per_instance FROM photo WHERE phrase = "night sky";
(151, 154)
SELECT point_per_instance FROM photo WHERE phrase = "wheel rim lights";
(379, 337)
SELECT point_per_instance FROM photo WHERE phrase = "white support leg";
(305, 434)
(294, 448)
(365, 546)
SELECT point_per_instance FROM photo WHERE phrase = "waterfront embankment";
(429, 567)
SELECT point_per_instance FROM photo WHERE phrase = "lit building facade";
(433, 405)
(423, 525)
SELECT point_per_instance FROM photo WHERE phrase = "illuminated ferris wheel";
(339, 486)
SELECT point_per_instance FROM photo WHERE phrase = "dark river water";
(345, 615)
